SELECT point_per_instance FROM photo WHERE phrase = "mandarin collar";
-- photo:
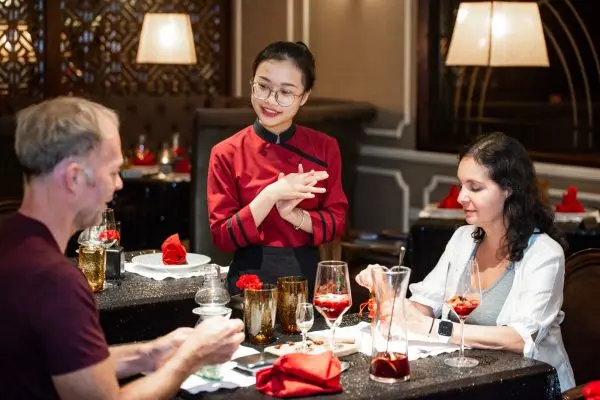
(271, 137)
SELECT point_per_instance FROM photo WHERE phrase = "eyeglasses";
(284, 98)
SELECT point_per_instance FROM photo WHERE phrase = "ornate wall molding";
(433, 184)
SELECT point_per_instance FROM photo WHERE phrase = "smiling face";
(281, 76)
(482, 198)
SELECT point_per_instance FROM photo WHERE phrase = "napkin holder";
(115, 263)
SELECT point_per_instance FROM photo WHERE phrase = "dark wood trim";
(53, 58)
(226, 56)
(424, 72)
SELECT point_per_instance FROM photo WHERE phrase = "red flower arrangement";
(249, 281)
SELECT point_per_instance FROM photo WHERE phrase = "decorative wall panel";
(21, 48)
(99, 39)
(88, 47)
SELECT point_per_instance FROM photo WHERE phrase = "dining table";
(500, 375)
(139, 308)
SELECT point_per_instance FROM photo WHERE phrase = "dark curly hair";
(511, 168)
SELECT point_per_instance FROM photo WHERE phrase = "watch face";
(445, 328)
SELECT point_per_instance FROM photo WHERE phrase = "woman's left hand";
(286, 207)
(416, 321)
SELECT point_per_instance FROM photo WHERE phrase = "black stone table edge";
(511, 374)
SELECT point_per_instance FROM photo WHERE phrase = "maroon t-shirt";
(49, 321)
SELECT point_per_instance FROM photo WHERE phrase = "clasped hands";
(289, 190)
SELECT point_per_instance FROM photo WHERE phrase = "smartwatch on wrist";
(445, 331)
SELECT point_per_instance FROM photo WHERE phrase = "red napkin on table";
(298, 375)
(173, 252)
(591, 391)
(183, 165)
(570, 204)
(451, 200)
(149, 159)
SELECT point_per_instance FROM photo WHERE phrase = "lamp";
(498, 34)
(166, 39)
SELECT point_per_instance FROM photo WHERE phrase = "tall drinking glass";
(462, 302)
(93, 242)
(332, 293)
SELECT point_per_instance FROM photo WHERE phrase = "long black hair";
(511, 168)
(297, 52)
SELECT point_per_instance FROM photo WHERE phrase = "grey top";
(492, 300)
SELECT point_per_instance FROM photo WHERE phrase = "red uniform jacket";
(244, 164)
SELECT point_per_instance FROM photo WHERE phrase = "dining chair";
(581, 327)
(8, 208)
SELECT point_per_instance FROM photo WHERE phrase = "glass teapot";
(212, 292)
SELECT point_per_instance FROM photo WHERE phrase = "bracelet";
(431, 327)
(301, 221)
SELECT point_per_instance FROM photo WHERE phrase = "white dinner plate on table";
(154, 261)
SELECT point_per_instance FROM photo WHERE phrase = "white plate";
(154, 261)
(432, 211)
(576, 217)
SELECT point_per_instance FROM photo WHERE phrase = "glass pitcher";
(389, 362)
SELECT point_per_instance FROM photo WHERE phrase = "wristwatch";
(445, 331)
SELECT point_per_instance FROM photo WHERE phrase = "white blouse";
(533, 305)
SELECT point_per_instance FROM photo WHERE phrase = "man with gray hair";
(52, 344)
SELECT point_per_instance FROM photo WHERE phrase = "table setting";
(173, 261)
(568, 210)
(314, 364)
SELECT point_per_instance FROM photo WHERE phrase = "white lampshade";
(517, 38)
(166, 39)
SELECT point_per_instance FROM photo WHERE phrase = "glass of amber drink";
(92, 261)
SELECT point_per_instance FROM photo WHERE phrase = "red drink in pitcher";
(389, 367)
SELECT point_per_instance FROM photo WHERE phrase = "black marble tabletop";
(500, 375)
(140, 308)
(135, 290)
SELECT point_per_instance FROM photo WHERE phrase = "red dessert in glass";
(332, 305)
(463, 306)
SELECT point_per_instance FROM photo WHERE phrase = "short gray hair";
(56, 129)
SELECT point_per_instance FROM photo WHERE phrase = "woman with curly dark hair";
(519, 254)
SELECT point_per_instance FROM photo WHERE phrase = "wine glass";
(462, 302)
(305, 317)
(332, 293)
(104, 234)
(98, 238)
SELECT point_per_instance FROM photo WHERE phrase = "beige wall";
(358, 46)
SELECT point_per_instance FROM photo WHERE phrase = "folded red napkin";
(183, 165)
(451, 200)
(570, 204)
(148, 159)
(298, 375)
(173, 252)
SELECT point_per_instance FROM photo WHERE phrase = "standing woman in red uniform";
(275, 188)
